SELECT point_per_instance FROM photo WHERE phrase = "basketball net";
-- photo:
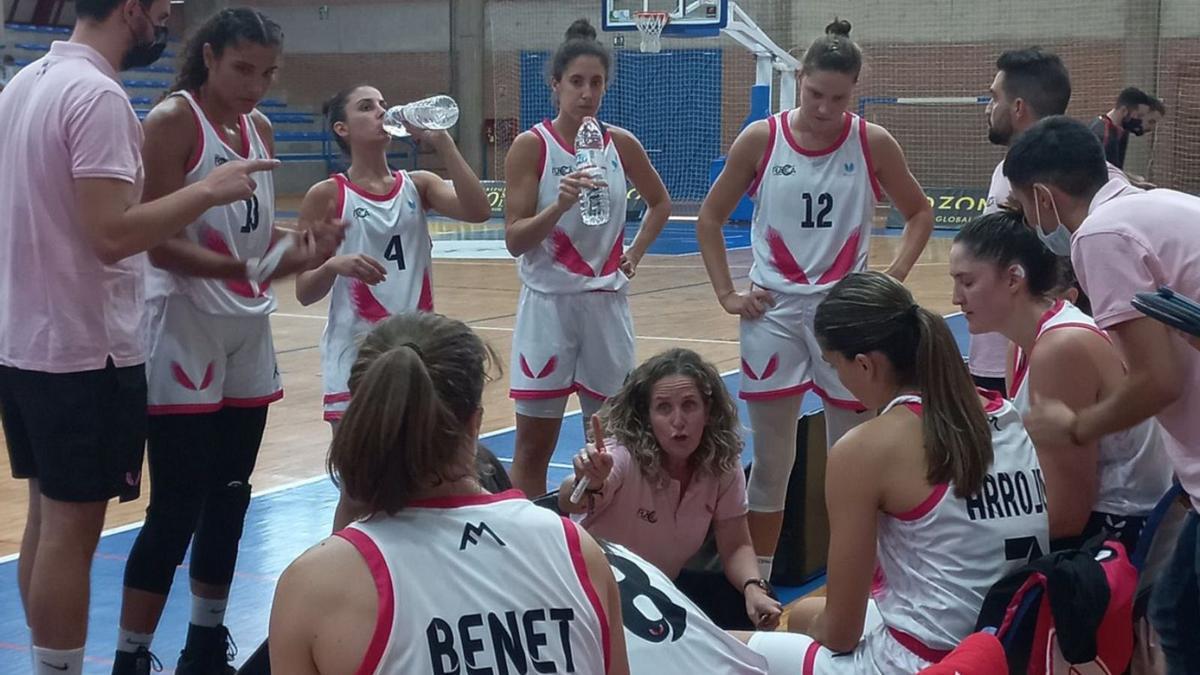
(651, 25)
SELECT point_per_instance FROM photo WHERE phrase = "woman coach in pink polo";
(668, 469)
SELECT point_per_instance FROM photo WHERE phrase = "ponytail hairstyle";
(834, 51)
(872, 312)
(580, 41)
(334, 111)
(226, 27)
(416, 384)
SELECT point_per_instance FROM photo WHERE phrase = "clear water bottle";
(589, 151)
(433, 113)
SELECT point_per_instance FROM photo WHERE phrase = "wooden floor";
(672, 305)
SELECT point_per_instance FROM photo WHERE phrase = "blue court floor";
(281, 524)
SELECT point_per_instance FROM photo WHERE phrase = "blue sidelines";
(280, 524)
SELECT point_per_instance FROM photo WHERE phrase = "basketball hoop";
(651, 25)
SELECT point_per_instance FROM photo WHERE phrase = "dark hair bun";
(838, 27)
(582, 29)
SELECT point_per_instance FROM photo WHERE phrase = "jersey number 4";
(251, 215)
(395, 251)
(824, 202)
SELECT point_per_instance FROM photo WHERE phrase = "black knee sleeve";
(214, 551)
(160, 546)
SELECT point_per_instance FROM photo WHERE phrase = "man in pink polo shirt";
(72, 233)
(1122, 241)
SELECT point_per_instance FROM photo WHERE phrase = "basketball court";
(717, 65)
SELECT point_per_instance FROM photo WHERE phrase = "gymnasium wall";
(929, 48)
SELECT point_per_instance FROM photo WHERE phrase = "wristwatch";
(761, 583)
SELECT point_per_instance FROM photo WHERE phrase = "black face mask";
(1133, 125)
(143, 54)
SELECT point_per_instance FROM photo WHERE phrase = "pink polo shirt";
(658, 523)
(62, 118)
(1134, 241)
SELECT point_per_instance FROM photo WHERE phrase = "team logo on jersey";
(360, 212)
(411, 204)
(473, 533)
(546, 370)
(561, 170)
(648, 515)
(184, 380)
(783, 170)
(767, 371)
(219, 160)
(671, 621)
(848, 168)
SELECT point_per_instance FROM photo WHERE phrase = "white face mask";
(1059, 239)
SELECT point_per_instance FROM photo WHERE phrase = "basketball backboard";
(697, 18)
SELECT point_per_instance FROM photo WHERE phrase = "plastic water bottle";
(433, 113)
(589, 151)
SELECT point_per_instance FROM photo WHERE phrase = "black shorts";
(81, 435)
(995, 384)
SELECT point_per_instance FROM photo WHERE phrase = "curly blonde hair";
(626, 416)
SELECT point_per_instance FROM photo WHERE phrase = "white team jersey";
(1134, 470)
(576, 257)
(392, 229)
(490, 582)
(813, 209)
(665, 632)
(937, 562)
(241, 230)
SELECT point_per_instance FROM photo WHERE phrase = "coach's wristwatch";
(761, 583)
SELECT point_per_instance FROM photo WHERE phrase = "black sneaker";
(208, 651)
(140, 662)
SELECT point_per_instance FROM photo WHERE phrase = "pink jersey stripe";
(198, 151)
(549, 127)
(766, 158)
(866, 148)
(397, 185)
(366, 305)
(810, 657)
(183, 409)
(783, 260)
(538, 394)
(386, 613)
(927, 505)
(256, 402)
(614, 257)
(585, 580)
(425, 302)
(917, 647)
(772, 394)
(787, 133)
(843, 403)
(567, 255)
(844, 261)
(541, 157)
(340, 397)
(590, 392)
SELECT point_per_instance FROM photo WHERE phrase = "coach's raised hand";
(234, 181)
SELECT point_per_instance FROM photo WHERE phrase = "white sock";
(129, 641)
(57, 661)
(765, 563)
(208, 612)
